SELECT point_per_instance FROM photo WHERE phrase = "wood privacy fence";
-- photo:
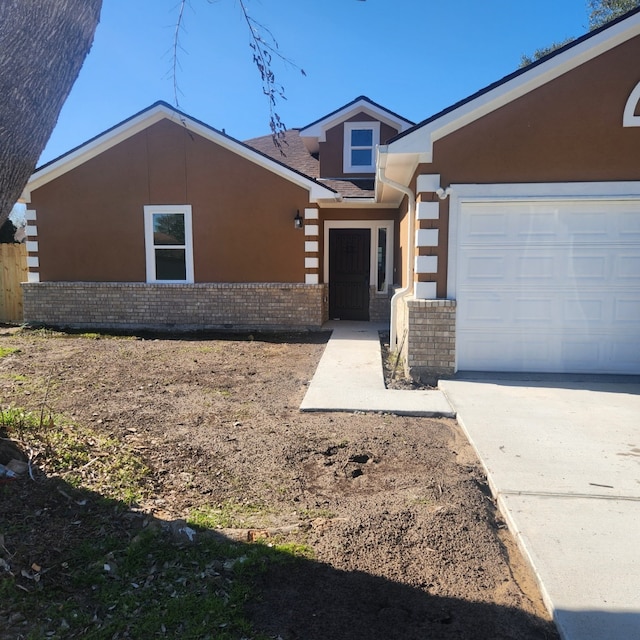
(13, 271)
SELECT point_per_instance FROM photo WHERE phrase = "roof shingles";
(298, 158)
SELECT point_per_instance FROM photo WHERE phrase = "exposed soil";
(406, 538)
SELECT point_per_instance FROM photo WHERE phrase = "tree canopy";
(603, 11)
(600, 12)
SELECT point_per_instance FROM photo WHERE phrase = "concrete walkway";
(563, 459)
(349, 377)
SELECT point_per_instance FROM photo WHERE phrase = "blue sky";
(414, 57)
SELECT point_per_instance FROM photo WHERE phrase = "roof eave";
(147, 118)
(316, 131)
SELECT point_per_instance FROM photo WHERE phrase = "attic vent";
(631, 116)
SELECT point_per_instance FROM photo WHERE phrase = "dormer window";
(360, 141)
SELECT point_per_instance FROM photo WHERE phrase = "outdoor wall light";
(297, 221)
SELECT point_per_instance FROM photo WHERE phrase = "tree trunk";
(43, 44)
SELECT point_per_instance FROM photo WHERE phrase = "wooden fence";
(13, 271)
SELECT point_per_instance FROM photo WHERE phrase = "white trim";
(311, 214)
(33, 261)
(373, 226)
(630, 119)
(150, 117)
(311, 246)
(311, 263)
(311, 230)
(32, 246)
(150, 246)
(33, 277)
(428, 211)
(425, 290)
(421, 140)
(319, 129)
(426, 264)
(427, 237)
(358, 203)
(539, 192)
(366, 125)
(428, 182)
(31, 230)
(30, 215)
(311, 278)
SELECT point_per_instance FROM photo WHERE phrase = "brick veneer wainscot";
(116, 305)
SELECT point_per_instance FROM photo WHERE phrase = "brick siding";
(115, 305)
(431, 339)
(379, 306)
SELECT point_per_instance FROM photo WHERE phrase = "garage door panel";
(487, 224)
(541, 353)
(563, 264)
(629, 226)
(549, 286)
(627, 311)
(486, 352)
(522, 222)
(535, 267)
(627, 266)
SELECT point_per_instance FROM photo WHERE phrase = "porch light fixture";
(297, 221)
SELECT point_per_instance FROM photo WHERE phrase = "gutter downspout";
(408, 290)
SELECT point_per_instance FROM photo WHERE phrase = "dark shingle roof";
(298, 158)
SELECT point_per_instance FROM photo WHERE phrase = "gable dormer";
(345, 141)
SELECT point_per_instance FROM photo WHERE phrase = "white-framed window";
(360, 142)
(168, 243)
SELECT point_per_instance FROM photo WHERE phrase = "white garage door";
(549, 286)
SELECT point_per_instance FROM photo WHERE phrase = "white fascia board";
(319, 129)
(422, 139)
(148, 118)
(356, 203)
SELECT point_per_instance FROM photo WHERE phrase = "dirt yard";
(406, 540)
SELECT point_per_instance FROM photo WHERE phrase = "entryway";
(349, 273)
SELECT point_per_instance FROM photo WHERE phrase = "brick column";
(431, 339)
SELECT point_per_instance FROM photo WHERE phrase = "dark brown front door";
(349, 264)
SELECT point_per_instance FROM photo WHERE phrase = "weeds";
(120, 579)
(80, 456)
(228, 515)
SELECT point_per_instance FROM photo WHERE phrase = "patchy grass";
(7, 351)
(313, 514)
(77, 454)
(129, 576)
(152, 586)
(229, 515)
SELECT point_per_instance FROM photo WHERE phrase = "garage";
(547, 284)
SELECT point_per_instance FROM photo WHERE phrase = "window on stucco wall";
(168, 243)
(360, 141)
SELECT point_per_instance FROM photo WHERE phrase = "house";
(501, 234)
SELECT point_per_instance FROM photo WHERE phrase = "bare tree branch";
(176, 46)
(263, 51)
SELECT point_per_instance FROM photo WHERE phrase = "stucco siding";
(568, 130)
(91, 223)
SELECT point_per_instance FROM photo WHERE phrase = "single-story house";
(501, 234)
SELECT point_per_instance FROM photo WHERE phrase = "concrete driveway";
(563, 459)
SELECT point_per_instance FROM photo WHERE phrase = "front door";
(349, 273)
